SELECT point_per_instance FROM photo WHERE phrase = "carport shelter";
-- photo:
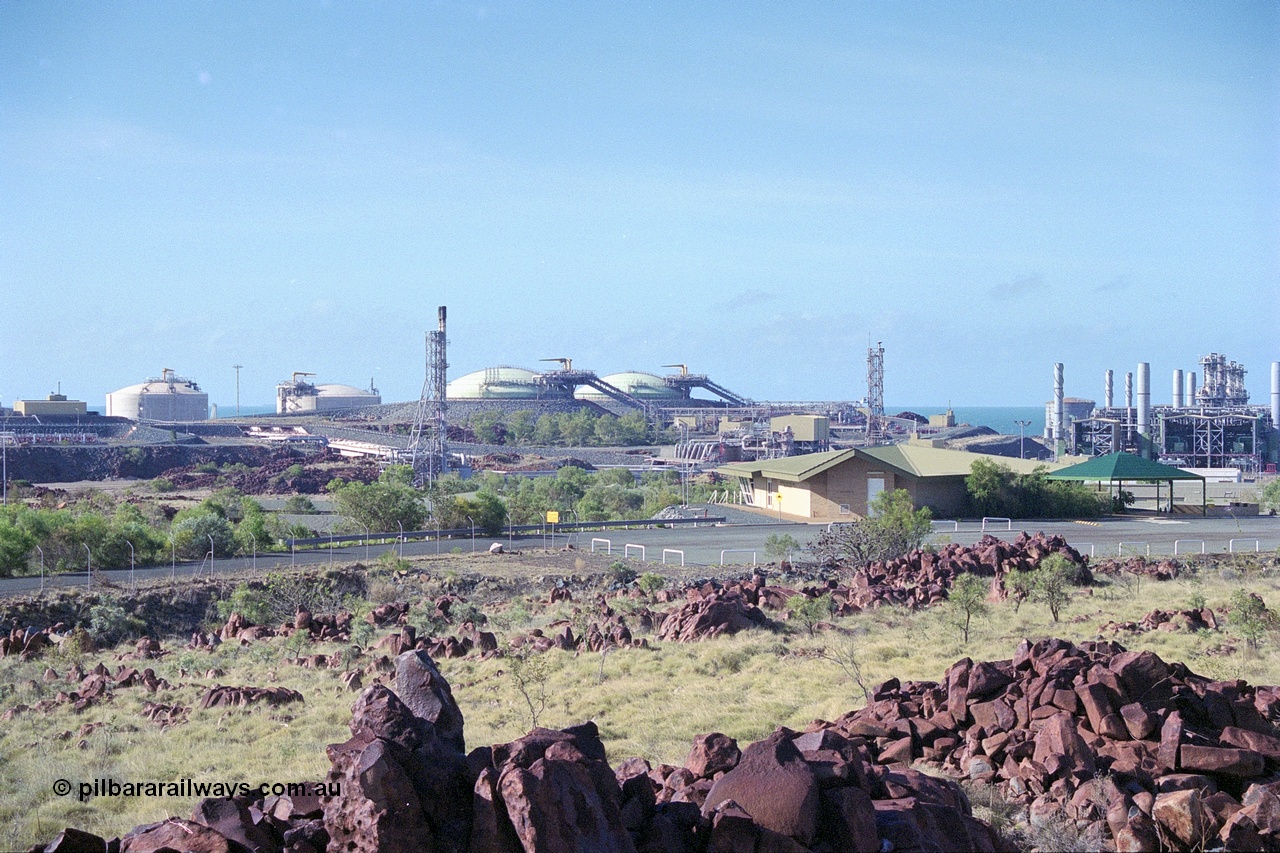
(1120, 468)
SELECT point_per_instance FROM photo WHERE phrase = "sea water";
(1002, 419)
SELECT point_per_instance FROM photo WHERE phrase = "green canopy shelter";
(1120, 468)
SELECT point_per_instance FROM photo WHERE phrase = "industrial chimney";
(1275, 395)
(1128, 390)
(1177, 389)
(1059, 439)
(1144, 408)
(1191, 389)
(1107, 396)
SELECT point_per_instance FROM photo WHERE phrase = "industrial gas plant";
(1208, 423)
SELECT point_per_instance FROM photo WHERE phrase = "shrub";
(621, 574)
(809, 611)
(651, 582)
(251, 602)
(110, 624)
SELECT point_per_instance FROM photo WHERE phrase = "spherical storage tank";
(495, 383)
(168, 398)
(641, 385)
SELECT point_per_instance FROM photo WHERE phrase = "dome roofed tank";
(637, 383)
(495, 383)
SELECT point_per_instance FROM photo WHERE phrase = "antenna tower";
(875, 394)
(427, 451)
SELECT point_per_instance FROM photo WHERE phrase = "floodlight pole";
(237, 367)
(1022, 425)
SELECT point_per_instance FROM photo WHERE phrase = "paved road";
(744, 544)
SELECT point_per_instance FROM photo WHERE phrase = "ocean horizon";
(1002, 419)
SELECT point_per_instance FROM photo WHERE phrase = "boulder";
(424, 690)
(775, 785)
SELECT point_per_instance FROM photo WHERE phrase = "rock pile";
(403, 782)
(921, 578)
(711, 612)
(1133, 749)
(1187, 621)
(232, 697)
(1161, 570)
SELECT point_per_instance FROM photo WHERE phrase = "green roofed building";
(839, 484)
(1116, 469)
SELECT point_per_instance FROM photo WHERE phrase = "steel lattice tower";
(875, 393)
(428, 453)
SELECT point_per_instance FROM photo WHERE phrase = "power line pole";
(237, 367)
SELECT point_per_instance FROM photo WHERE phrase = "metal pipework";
(1177, 389)
(1107, 395)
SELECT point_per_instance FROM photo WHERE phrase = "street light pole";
(1022, 425)
(210, 535)
(41, 550)
(473, 534)
(88, 567)
(133, 584)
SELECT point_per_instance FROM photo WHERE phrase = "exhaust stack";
(1275, 395)
(1177, 389)
(1128, 390)
(1107, 396)
(1059, 439)
(1144, 408)
(1191, 389)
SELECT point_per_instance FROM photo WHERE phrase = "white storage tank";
(169, 398)
(298, 396)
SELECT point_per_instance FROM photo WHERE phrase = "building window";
(844, 509)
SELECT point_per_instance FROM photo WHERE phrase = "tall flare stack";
(1059, 417)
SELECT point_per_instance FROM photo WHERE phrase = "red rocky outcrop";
(1050, 725)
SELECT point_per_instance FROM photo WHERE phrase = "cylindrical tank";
(1177, 388)
(495, 383)
(1108, 397)
(169, 398)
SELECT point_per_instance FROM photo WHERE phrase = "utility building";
(841, 484)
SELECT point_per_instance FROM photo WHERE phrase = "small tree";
(1250, 617)
(809, 611)
(1053, 583)
(968, 598)
(1020, 586)
(779, 547)
(530, 674)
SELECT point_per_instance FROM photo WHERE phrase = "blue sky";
(756, 190)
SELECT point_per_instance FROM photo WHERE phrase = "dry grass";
(650, 702)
